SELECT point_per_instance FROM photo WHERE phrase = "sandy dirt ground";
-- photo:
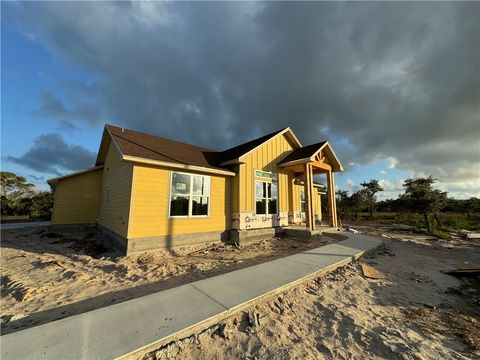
(416, 312)
(48, 275)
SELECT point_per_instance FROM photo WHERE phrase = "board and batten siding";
(116, 192)
(149, 215)
(265, 157)
(76, 199)
(297, 188)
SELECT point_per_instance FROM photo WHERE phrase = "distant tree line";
(18, 197)
(419, 196)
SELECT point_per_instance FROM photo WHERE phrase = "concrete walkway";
(143, 324)
(19, 225)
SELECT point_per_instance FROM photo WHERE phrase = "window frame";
(303, 201)
(190, 196)
(261, 178)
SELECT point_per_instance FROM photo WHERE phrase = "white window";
(189, 195)
(266, 195)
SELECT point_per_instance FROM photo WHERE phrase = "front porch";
(302, 166)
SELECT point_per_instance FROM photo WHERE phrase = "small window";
(190, 195)
(302, 201)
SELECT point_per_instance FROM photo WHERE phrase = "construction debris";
(253, 319)
(370, 273)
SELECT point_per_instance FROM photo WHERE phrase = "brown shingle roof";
(303, 153)
(239, 150)
(134, 143)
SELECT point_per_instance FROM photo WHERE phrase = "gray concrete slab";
(130, 328)
(237, 287)
(20, 225)
(115, 330)
(332, 254)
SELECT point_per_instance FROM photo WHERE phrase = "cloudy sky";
(395, 87)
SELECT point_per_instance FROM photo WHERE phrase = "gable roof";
(134, 144)
(303, 153)
(234, 154)
(308, 153)
(140, 147)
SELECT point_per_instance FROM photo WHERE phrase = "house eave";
(140, 160)
(57, 179)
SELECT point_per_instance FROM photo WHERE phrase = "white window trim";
(190, 195)
(265, 180)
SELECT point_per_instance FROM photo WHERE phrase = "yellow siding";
(236, 190)
(113, 162)
(150, 205)
(116, 192)
(264, 158)
(76, 199)
(296, 199)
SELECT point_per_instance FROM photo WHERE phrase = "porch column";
(332, 206)
(308, 185)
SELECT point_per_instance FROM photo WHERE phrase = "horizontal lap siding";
(150, 205)
(77, 198)
(266, 158)
(117, 184)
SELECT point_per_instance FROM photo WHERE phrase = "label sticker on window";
(181, 186)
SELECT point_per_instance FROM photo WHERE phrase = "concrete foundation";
(172, 241)
(124, 246)
(303, 232)
(241, 237)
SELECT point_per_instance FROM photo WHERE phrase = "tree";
(357, 203)
(42, 203)
(14, 191)
(343, 206)
(471, 205)
(422, 198)
(350, 206)
(370, 189)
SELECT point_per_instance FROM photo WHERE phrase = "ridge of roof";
(239, 150)
(142, 145)
(140, 133)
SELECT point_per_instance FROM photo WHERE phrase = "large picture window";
(266, 195)
(190, 195)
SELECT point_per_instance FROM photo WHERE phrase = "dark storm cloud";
(50, 154)
(53, 108)
(380, 79)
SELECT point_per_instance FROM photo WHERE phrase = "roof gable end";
(235, 154)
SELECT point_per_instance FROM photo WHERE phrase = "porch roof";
(308, 154)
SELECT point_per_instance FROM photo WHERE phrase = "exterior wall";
(76, 199)
(149, 215)
(295, 215)
(116, 192)
(265, 158)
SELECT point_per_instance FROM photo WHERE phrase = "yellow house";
(147, 192)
